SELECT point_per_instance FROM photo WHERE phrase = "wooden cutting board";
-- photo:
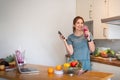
(101, 58)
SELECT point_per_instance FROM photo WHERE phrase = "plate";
(58, 72)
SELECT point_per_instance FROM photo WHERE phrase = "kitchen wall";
(32, 26)
(113, 44)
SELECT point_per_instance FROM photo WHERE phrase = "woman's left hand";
(88, 35)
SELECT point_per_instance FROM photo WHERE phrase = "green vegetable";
(111, 53)
(9, 58)
(97, 52)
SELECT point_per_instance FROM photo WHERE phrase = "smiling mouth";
(80, 27)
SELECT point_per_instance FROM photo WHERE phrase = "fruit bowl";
(73, 68)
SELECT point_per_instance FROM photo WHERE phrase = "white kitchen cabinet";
(99, 11)
(99, 32)
(114, 6)
(84, 9)
(104, 9)
(106, 31)
(95, 10)
(107, 68)
(111, 31)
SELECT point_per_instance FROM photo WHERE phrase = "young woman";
(80, 43)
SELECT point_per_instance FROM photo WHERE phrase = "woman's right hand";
(69, 48)
(62, 37)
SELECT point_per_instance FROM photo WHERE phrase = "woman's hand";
(69, 48)
(87, 34)
(62, 37)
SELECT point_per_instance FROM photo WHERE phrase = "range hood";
(112, 20)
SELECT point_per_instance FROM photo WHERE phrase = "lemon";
(66, 65)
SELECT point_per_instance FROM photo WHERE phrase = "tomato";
(73, 64)
(104, 54)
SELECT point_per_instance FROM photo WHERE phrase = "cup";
(20, 57)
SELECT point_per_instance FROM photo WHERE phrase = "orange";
(50, 70)
(58, 67)
(50, 75)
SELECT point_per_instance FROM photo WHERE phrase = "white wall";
(32, 25)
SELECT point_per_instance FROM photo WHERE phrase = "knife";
(82, 72)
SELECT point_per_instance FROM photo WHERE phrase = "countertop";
(43, 75)
(113, 61)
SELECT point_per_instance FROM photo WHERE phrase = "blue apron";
(81, 50)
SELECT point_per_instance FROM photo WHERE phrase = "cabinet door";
(99, 12)
(100, 9)
(99, 31)
(84, 9)
(114, 6)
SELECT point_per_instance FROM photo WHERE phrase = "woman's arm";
(90, 43)
(68, 47)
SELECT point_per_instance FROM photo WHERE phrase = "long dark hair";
(75, 20)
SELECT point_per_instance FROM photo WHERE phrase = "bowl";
(118, 56)
(72, 70)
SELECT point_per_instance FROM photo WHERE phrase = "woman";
(77, 45)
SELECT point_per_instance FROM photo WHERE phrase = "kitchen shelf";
(113, 62)
(112, 20)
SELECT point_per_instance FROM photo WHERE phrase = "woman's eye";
(82, 23)
(78, 22)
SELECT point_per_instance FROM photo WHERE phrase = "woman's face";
(79, 25)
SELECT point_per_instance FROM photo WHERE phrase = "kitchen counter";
(43, 75)
(113, 61)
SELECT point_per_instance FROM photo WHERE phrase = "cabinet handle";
(105, 32)
(90, 14)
